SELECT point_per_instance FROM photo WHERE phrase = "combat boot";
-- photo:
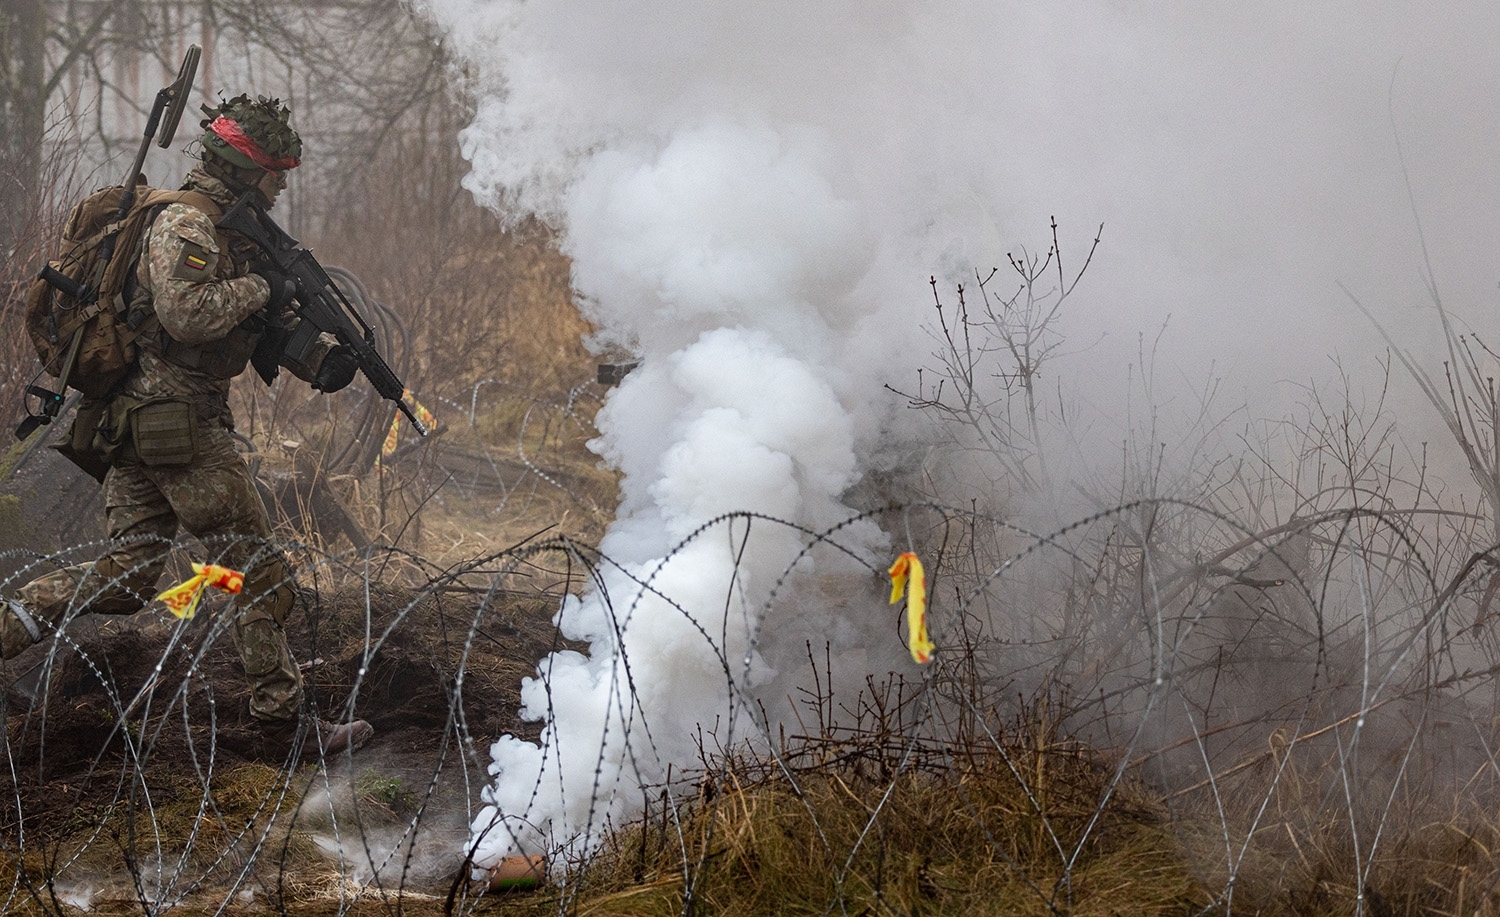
(18, 629)
(320, 739)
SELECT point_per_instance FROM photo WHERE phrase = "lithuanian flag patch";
(196, 263)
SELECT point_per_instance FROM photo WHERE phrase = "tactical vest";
(222, 359)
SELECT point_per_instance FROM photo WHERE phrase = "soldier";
(207, 304)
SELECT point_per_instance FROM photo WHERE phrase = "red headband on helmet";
(235, 136)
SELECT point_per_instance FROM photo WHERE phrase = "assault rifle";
(320, 303)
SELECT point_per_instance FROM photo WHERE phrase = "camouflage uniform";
(196, 279)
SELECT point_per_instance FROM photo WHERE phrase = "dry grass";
(1435, 850)
(964, 839)
(879, 828)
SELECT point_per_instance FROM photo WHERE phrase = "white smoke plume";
(754, 195)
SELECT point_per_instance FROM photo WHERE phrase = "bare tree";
(989, 361)
(22, 112)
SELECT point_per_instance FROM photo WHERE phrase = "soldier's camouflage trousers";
(213, 498)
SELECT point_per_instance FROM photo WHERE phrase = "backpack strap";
(194, 199)
(133, 228)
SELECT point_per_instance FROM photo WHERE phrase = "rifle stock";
(320, 303)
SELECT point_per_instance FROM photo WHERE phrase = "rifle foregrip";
(387, 385)
(381, 377)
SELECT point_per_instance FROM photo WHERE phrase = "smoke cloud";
(754, 196)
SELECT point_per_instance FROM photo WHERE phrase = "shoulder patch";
(194, 262)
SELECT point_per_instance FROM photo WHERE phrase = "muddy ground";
(182, 786)
(140, 782)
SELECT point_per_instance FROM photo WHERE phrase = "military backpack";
(89, 286)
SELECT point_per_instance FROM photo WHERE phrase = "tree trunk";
(23, 103)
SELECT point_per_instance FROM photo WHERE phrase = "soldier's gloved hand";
(283, 286)
(336, 370)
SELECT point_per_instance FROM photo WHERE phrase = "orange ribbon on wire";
(182, 599)
(908, 570)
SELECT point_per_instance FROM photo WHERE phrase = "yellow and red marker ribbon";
(182, 599)
(908, 569)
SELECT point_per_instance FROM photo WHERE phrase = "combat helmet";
(252, 134)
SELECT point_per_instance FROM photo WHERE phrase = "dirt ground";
(136, 780)
(179, 785)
